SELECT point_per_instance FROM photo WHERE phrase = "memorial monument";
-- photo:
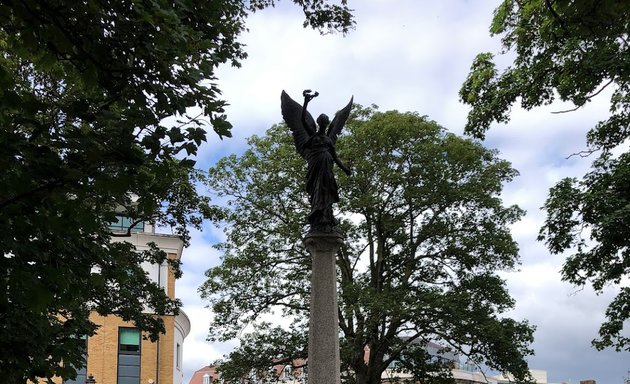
(316, 144)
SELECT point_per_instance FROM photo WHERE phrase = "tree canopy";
(572, 51)
(85, 87)
(426, 234)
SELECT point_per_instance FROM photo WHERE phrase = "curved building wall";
(181, 330)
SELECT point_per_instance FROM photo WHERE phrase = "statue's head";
(322, 122)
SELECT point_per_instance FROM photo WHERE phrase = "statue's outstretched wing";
(292, 114)
(338, 121)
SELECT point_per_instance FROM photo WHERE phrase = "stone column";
(323, 336)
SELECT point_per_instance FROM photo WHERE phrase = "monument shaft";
(323, 339)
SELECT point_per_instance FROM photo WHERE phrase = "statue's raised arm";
(298, 119)
(316, 144)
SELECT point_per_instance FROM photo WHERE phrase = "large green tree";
(84, 89)
(572, 51)
(426, 234)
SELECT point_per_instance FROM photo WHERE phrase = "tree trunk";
(365, 375)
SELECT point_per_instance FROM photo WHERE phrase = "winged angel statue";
(317, 146)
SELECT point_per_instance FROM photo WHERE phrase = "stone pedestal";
(323, 337)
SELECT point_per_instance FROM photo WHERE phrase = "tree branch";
(589, 97)
(556, 16)
(46, 187)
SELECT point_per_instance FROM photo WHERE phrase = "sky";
(413, 55)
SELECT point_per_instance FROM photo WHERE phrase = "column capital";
(323, 241)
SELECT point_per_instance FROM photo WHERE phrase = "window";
(81, 371)
(206, 378)
(178, 356)
(123, 223)
(128, 340)
(128, 356)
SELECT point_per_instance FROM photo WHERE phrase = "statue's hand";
(308, 95)
(347, 171)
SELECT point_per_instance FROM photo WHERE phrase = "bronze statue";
(317, 147)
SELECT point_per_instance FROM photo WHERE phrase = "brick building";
(117, 353)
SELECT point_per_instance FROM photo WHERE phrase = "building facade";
(117, 353)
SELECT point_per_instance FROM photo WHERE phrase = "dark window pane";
(123, 223)
(81, 372)
(129, 360)
(128, 380)
(129, 348)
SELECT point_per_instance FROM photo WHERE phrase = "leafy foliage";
(601, 203)
(571, 50)
(565, 49)
(426, 233)
(84, 90)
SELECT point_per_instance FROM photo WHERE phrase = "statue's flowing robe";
(321, 184)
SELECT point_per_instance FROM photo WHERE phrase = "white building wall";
(182, 329)
(157, 274)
